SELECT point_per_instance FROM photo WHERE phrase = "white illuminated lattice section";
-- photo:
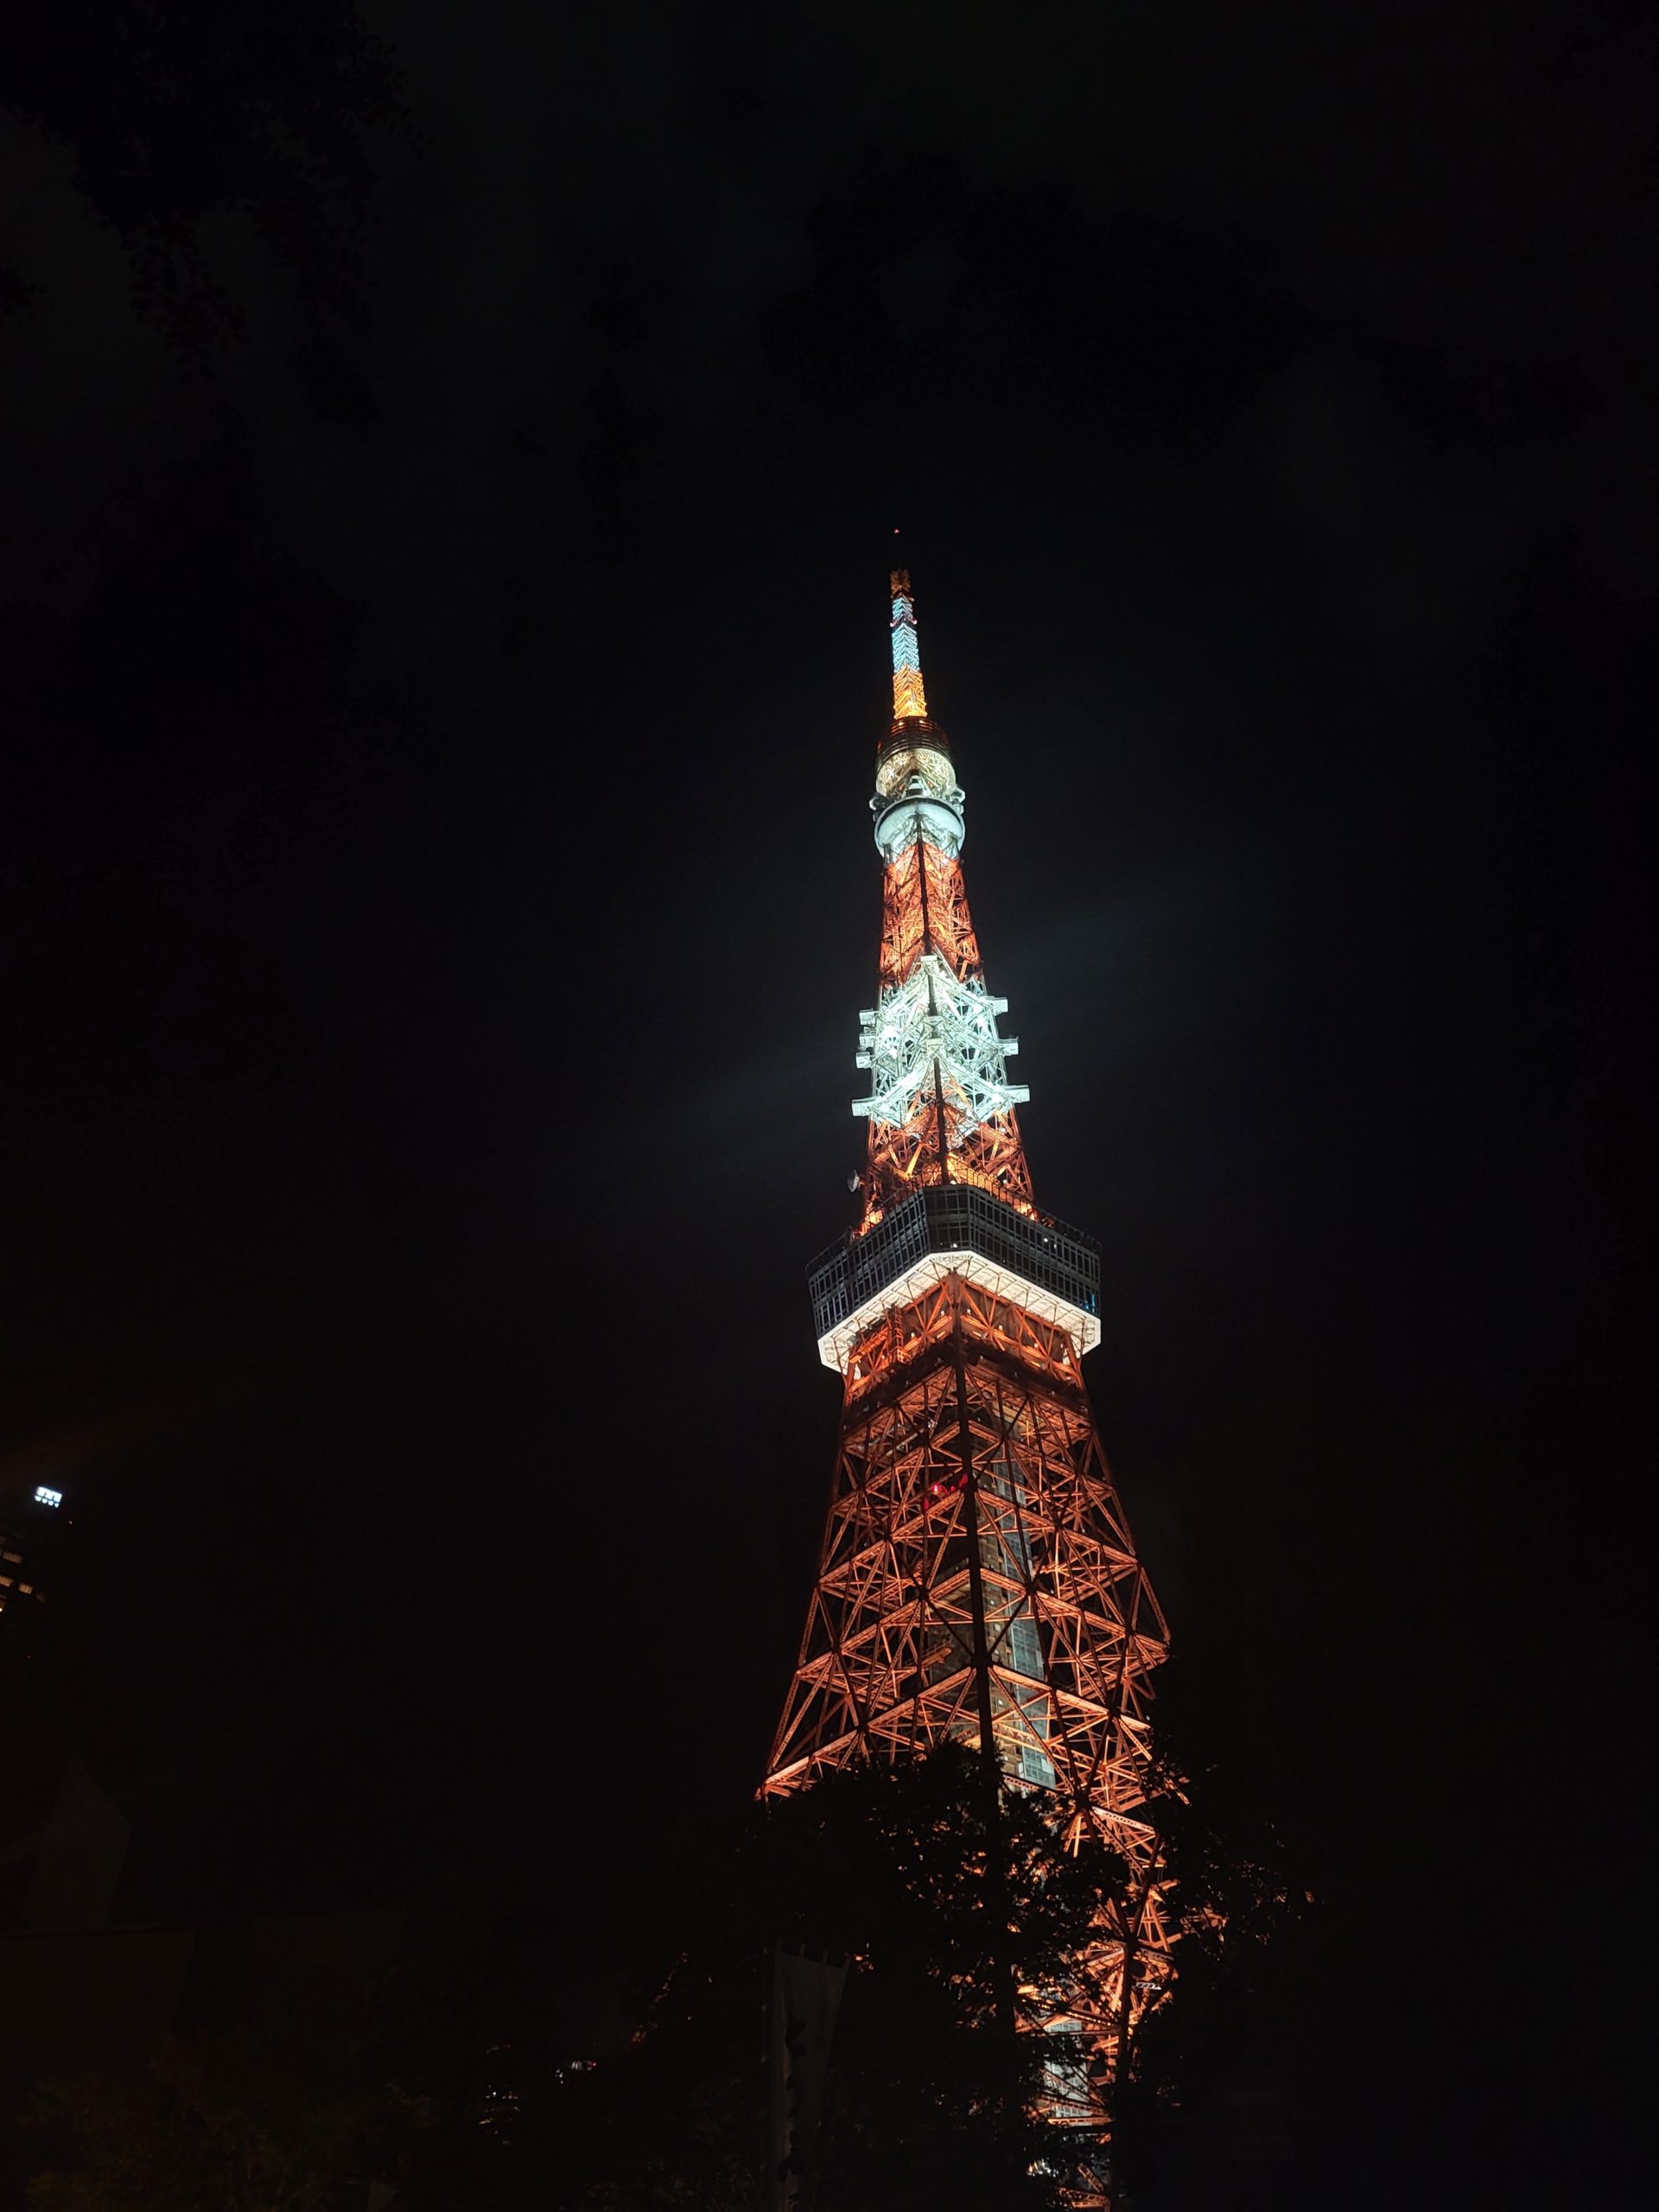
(934, 1016)
(836, 1345)
(909, 695)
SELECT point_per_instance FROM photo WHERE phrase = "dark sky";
(438, 895)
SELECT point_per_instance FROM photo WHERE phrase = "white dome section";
(905, 761)
(919, 812)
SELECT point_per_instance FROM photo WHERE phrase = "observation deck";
(953, 1228)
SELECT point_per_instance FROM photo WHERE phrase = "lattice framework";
(977, 1559)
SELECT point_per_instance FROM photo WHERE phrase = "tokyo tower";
(978, 1580)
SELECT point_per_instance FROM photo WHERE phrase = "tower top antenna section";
(909, 693)
(917, 794)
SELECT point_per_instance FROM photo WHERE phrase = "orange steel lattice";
(926, 910)
(978, 1580)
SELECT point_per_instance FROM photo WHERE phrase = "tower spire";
(941, 1105)
(909, 693)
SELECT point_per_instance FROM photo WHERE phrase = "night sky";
(438, 896)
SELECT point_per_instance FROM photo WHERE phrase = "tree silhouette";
(179, 111)
(945, 1893)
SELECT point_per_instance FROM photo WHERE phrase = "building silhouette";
(34, 1531)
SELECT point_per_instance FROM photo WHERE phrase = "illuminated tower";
(978, 1579)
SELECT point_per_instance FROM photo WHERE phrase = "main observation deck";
(953, 1228)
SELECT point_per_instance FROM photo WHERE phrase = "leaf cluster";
(179, 111)
(947, 1895)
(216, 2126)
